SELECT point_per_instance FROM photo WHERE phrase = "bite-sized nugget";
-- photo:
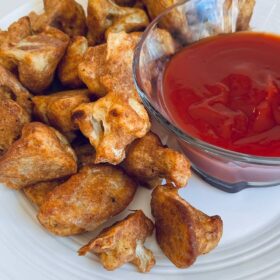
(123, 242)
(150, 162)
(12, 119)
(15, 109)
(67, 15)
(56, 109)
(175, 21)
(108, 67)
(87, 200)
(37, 57)
(246, 9)
(111, 123)
(105, 16)
(11, 88)
(183, 232)
(68, 68)
(41, 154)
(39, 192)
(15, 33)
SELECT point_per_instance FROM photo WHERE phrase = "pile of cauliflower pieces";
(76, 138)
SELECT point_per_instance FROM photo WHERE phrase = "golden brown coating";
(39, 192)
(56, 109)
(15, 33)
(68, 68)
(108, 67)
(246, 9)
(123, 242)
(12, 119)
(183, 232)
(15, 109)
(67, 15)
(105, 16)
(87, 200)
(111, 123)
(150, 162)
(37, 57)
(11, 88)
(41, 154)
(175, 21)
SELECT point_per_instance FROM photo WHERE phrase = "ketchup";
(226, 91)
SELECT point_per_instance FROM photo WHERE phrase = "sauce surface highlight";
(226, 91)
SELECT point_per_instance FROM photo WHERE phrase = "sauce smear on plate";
(226, 91)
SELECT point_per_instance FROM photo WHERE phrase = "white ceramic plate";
(250, 247)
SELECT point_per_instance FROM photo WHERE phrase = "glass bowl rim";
(201, 145)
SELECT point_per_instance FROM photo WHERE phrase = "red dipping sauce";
(226, 91)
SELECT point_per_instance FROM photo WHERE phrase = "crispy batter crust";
(87, 200)
(102, 70)
(41, 154)
(123, 242)
(56, 109)
(68, 68)
(66, 15)
(37, 57)
(246, 9)
(40, 192)
(105, 16)
(150, 162)
(112, 123)
(183, 232)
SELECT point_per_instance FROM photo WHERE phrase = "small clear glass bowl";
(227, 170)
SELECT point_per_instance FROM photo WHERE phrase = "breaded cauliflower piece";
(67, 15)
(111, 123)
(123, 242)
(37, 57)
(15, 33)
(41, 154)
(183, 232)
(105, 16)
(108, 67)
(150, 162)
(15, 109)
(40, 192)
(175, 21)
(56, 109)
(68, 68)
(87, 200)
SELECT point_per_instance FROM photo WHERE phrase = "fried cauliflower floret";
(67, 15)
(37, 57)
(15, 33)
(11, 88)
(15, 109)
(68, 68)
(183, 232)
(246, 9)
(105, 16)
(108, 67)
(111, 123)
(175, 21)
(12, 119)
(56, 109)
(123, 242)
(39, 192)
(150, 162)
(87, 200)
(41, 154)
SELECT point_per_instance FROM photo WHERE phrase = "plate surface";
(250, 247)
